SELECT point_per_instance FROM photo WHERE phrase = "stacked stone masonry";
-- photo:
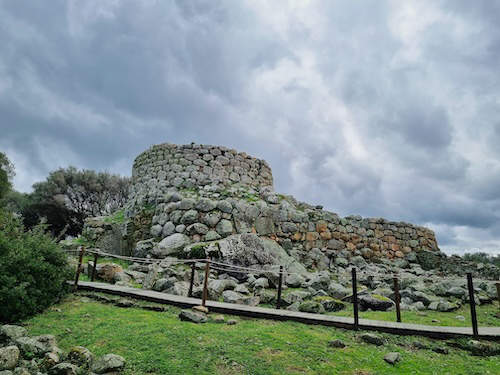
(207, 193)
(188, 166)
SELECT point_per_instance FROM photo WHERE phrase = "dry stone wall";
(206, 193)
(195, 166)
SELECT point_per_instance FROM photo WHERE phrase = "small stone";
(440, 350)
(392, 358)
(50, 360)
(460, 317)
(193, 316)
(108, 363)
(435, 321)
(420, 345)
(371, 338)
(122, 302)
(64, 369)
(231, 322)
(219, 319)
(9, 356)
(224, 227)
(336, 344)
(200, 308)
(311, 307)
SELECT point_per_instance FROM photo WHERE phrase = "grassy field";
(486, 316)
(159, 343)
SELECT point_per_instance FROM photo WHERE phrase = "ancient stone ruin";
(205, 193)
(196, 201)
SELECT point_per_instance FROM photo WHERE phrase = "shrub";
(33, 270)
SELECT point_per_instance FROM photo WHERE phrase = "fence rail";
(210, 264)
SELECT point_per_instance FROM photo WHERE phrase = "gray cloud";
(378, 108)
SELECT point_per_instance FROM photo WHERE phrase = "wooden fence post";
(397, 298)
(472, 303)
(94, 268)
(205, 283)
(79, 268)
(278, 300)
(498, 294)
(355, 298)
(190, 293)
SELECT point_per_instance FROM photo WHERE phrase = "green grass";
(159, 343)
(486, 316)
(118, 217)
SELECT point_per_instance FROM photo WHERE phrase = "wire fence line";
(232, 268)
(364, 277)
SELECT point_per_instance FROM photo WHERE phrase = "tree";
(6, 175)
(33, 269)
(69, 195)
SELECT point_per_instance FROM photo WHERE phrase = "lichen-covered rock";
(64, 369)
(193, 316)
(9, 356)
(216, 287)
(108, 363)
(11, 332)
(375, 302)
(330, 304)
(231, 296)
(30, 347)
(80, 356)
(107, 271)
(312, 307)
(372, 338)
(392, 357)
(171, 245)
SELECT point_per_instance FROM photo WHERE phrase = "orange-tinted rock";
(326, 235)
(321, 226)
(312, 236)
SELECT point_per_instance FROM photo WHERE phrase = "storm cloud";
(379, 108)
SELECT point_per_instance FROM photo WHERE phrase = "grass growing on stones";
(159, 343)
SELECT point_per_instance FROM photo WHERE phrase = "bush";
(33, 270)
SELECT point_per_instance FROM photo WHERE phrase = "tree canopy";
(6, 175)
(70, 195)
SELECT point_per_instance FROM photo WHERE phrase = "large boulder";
(108, 271)
(230, 296)
(329, 303)
(429, 260)
(250, 250)
(30, 347)
(171, 245)
(11, 332)
(375, 302)
(312, 307)
(216, 287)
(337, 290)
(143, 248)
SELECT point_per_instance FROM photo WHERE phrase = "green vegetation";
(6, 175)
(486, 316)
(249, 197)
(159, 343)
(33, 269)
(481, 257)
(117, 218)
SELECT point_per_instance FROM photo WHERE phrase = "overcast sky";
(380, 108)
